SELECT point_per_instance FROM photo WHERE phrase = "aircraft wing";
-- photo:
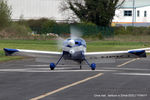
(41, 56)
(49, 56)
(99, 56)
(146, 49)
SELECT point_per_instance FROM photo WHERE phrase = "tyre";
(93, 66)
(52, 66)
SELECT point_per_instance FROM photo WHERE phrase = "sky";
(138, 3)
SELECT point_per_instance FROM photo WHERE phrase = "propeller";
(60, 42)
(75, 33)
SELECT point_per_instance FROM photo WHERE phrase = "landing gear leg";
(93, 65)
(53, 65)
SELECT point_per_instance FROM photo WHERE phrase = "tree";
(99, 12)
(5, 14)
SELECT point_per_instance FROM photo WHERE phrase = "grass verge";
(8, 58)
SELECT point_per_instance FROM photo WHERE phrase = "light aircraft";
(75, 49)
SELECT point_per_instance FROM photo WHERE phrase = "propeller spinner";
(71, 43)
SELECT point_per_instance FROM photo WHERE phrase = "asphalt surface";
(120, 80)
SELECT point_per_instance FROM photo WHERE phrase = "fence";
(87, 30)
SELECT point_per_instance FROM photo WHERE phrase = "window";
(138, 13)
(127, 13)
(145, 13)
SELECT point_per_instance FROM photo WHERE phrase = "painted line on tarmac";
(47, 70)
(134, 69)
(67, 86)
(137, 74)
(37, 65)
(47, 65)
(128, 62)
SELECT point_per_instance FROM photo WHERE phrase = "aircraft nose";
(71, 51)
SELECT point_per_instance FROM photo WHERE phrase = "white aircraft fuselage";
(74, 49)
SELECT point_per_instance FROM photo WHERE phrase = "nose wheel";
(52, 66)
(93, 66)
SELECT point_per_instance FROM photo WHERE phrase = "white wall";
(141, 18)
(120, 18)
(36, 9)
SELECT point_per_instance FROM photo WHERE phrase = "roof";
(138, 3)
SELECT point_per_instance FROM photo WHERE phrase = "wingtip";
(140, 53)
(8, 51)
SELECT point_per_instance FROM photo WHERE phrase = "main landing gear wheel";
(93, 66)
(80, 65)
(52, 66)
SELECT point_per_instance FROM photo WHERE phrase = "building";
(139, 14)
(133, 12)
(34, 9)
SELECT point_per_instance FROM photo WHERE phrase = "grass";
(113, 45)
(131, 38)
(51, 45)
(6, 58)
(29, 44)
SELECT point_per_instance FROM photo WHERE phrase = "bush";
(15, 31)
(5, 13)
(100, 37)
(39, 25)
(132, 30)
(119, 30)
